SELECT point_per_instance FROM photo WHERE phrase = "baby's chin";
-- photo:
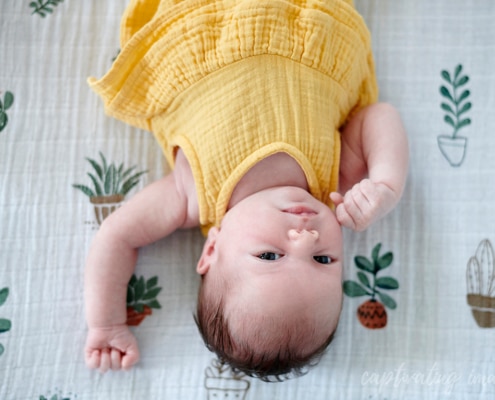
(299, 193)
(294, 194)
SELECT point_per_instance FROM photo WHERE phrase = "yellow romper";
(231, 82)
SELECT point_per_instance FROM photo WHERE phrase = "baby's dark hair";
(282, 363)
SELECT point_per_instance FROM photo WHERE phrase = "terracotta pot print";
(105, 205)
(372, 314)
(134, 318)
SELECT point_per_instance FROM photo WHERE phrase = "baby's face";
(281, 249)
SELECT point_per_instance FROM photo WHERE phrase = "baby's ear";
(208, 253)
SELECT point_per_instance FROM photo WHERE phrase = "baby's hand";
(111, 348)
(362, 205)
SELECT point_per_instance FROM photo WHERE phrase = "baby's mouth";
(300, 210)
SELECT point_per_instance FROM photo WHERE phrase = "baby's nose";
(295, 234)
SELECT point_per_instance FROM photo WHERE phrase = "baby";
(267, 114)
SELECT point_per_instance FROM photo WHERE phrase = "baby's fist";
(111, 348)
(362, 205)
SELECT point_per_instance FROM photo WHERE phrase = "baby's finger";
(93, 359)
(344, 217)
(130, 358)
(115, 359)
(351, 204)
(362, 202)
(104, 361)
(368, 190)
(336, 198)
(359, 208)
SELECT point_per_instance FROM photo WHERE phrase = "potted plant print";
(8, 100)
(110, 186)
(5, 324)
(480, 276)
(222, 382)
(372, 313)
(141, 299)
(455, 106)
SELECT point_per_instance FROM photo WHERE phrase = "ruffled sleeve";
(168, 46)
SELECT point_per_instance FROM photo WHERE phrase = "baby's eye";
(269, 256)
(322, 259)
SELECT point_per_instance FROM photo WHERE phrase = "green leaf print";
(42, 8)
(5, 324)
(8, 100)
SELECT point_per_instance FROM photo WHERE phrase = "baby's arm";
(373, 168)
(155, 212)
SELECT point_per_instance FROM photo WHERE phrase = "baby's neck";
(277, 170)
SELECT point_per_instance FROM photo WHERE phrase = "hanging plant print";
(44, 7)
(480, 277)
(5, 324)
(372, 313)
(141, 299)
(110, 185)
(456, 107)
(222, 382)
(5, 104)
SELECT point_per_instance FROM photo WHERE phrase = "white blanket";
(432, 346)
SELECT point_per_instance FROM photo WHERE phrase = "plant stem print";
(455, 105)
(5, 104)
(44, 7)
(372, 313)
(456, 108)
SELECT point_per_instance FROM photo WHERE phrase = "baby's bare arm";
(373, 170)
(152, 214)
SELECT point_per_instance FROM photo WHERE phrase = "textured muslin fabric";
(232, 82)
(436, 345)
